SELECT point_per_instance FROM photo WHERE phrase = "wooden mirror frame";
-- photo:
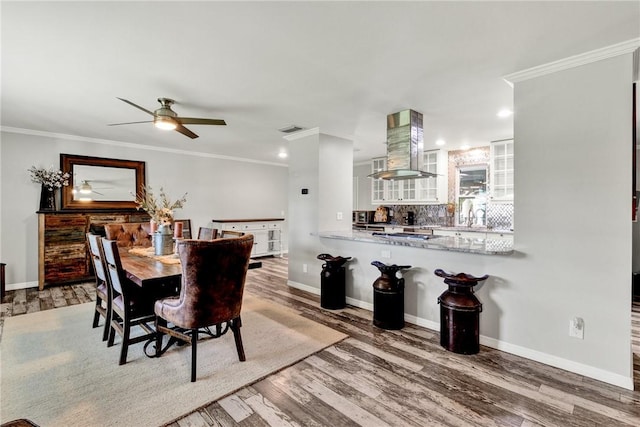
(68, 161)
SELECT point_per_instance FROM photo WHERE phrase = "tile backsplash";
(499, 215)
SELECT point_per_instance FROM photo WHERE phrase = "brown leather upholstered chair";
(129, 234)
(103, 289)
(213, 277)
(129, 305)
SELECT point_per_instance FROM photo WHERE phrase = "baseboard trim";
(559, 362)
(537, 356)
(23, 285)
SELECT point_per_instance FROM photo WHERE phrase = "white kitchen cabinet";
(408, 191)
(458, 233)
(267, 233)
(428, 187)
(378, 186)
(493, 235)
(501, 157)
(478, 234)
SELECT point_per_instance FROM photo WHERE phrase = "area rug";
(56, 371)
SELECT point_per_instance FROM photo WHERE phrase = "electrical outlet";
(576, 328)
(339, 216)
(386, 254)
(304, 268)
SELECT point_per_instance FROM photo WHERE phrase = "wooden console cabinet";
(62, 247)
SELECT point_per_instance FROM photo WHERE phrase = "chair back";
(113, 264)
(213, 277)
(129, 234)
(205, 233)
(96, 257)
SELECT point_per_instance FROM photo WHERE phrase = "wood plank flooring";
(390, 378)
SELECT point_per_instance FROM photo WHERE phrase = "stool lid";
(336, 261)
(460, 278)
(384, 268)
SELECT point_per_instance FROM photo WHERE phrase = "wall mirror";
(100, 183)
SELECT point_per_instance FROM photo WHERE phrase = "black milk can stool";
(332, 286)
(388, 297)
(460, 313)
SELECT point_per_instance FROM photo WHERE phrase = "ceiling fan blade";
(183, 130)
(134, 105)
(129, 123)
(195, 121)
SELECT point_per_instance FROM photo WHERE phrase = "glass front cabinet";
(501, 181)
(408, 190)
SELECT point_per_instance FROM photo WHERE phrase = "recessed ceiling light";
(505, 112)
(440, 142)
(282, 155)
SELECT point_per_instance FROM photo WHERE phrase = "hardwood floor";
(391, 378)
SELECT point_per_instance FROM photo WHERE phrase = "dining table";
(150, 272)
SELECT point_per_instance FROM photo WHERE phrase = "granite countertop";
(445, 243)
(248, 220)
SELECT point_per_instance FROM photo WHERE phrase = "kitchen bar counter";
(444, 243)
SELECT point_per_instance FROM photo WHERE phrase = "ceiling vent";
(290, 129)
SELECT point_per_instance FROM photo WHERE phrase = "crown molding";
(133, 145)
(574, 61)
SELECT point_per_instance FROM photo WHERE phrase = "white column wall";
(324, 165)
(574, 232)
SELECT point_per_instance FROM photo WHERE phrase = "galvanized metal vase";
(163, 240)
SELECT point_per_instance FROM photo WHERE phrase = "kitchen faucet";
(470, 218)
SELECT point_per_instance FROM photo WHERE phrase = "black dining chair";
(213, 277)
(103, 288)
(129, 305)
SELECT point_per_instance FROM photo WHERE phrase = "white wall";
(573, 181)
(216, 189)
(322, 164)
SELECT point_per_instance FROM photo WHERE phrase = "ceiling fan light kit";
(167, 119)
(165, 123)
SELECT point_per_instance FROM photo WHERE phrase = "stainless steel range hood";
(404, 133)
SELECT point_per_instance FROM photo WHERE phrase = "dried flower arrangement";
(50, 178)
(160, 210)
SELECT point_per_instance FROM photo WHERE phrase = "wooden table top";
(146, 271)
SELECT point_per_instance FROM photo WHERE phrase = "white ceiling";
(261, 66)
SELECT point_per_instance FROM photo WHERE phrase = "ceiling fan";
(167, 119)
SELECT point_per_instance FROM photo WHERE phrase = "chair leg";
(96, 314)
(194, 352)
(112, 330)
(126, 327)
(160, 322)
(235, 326)
(107, 323)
